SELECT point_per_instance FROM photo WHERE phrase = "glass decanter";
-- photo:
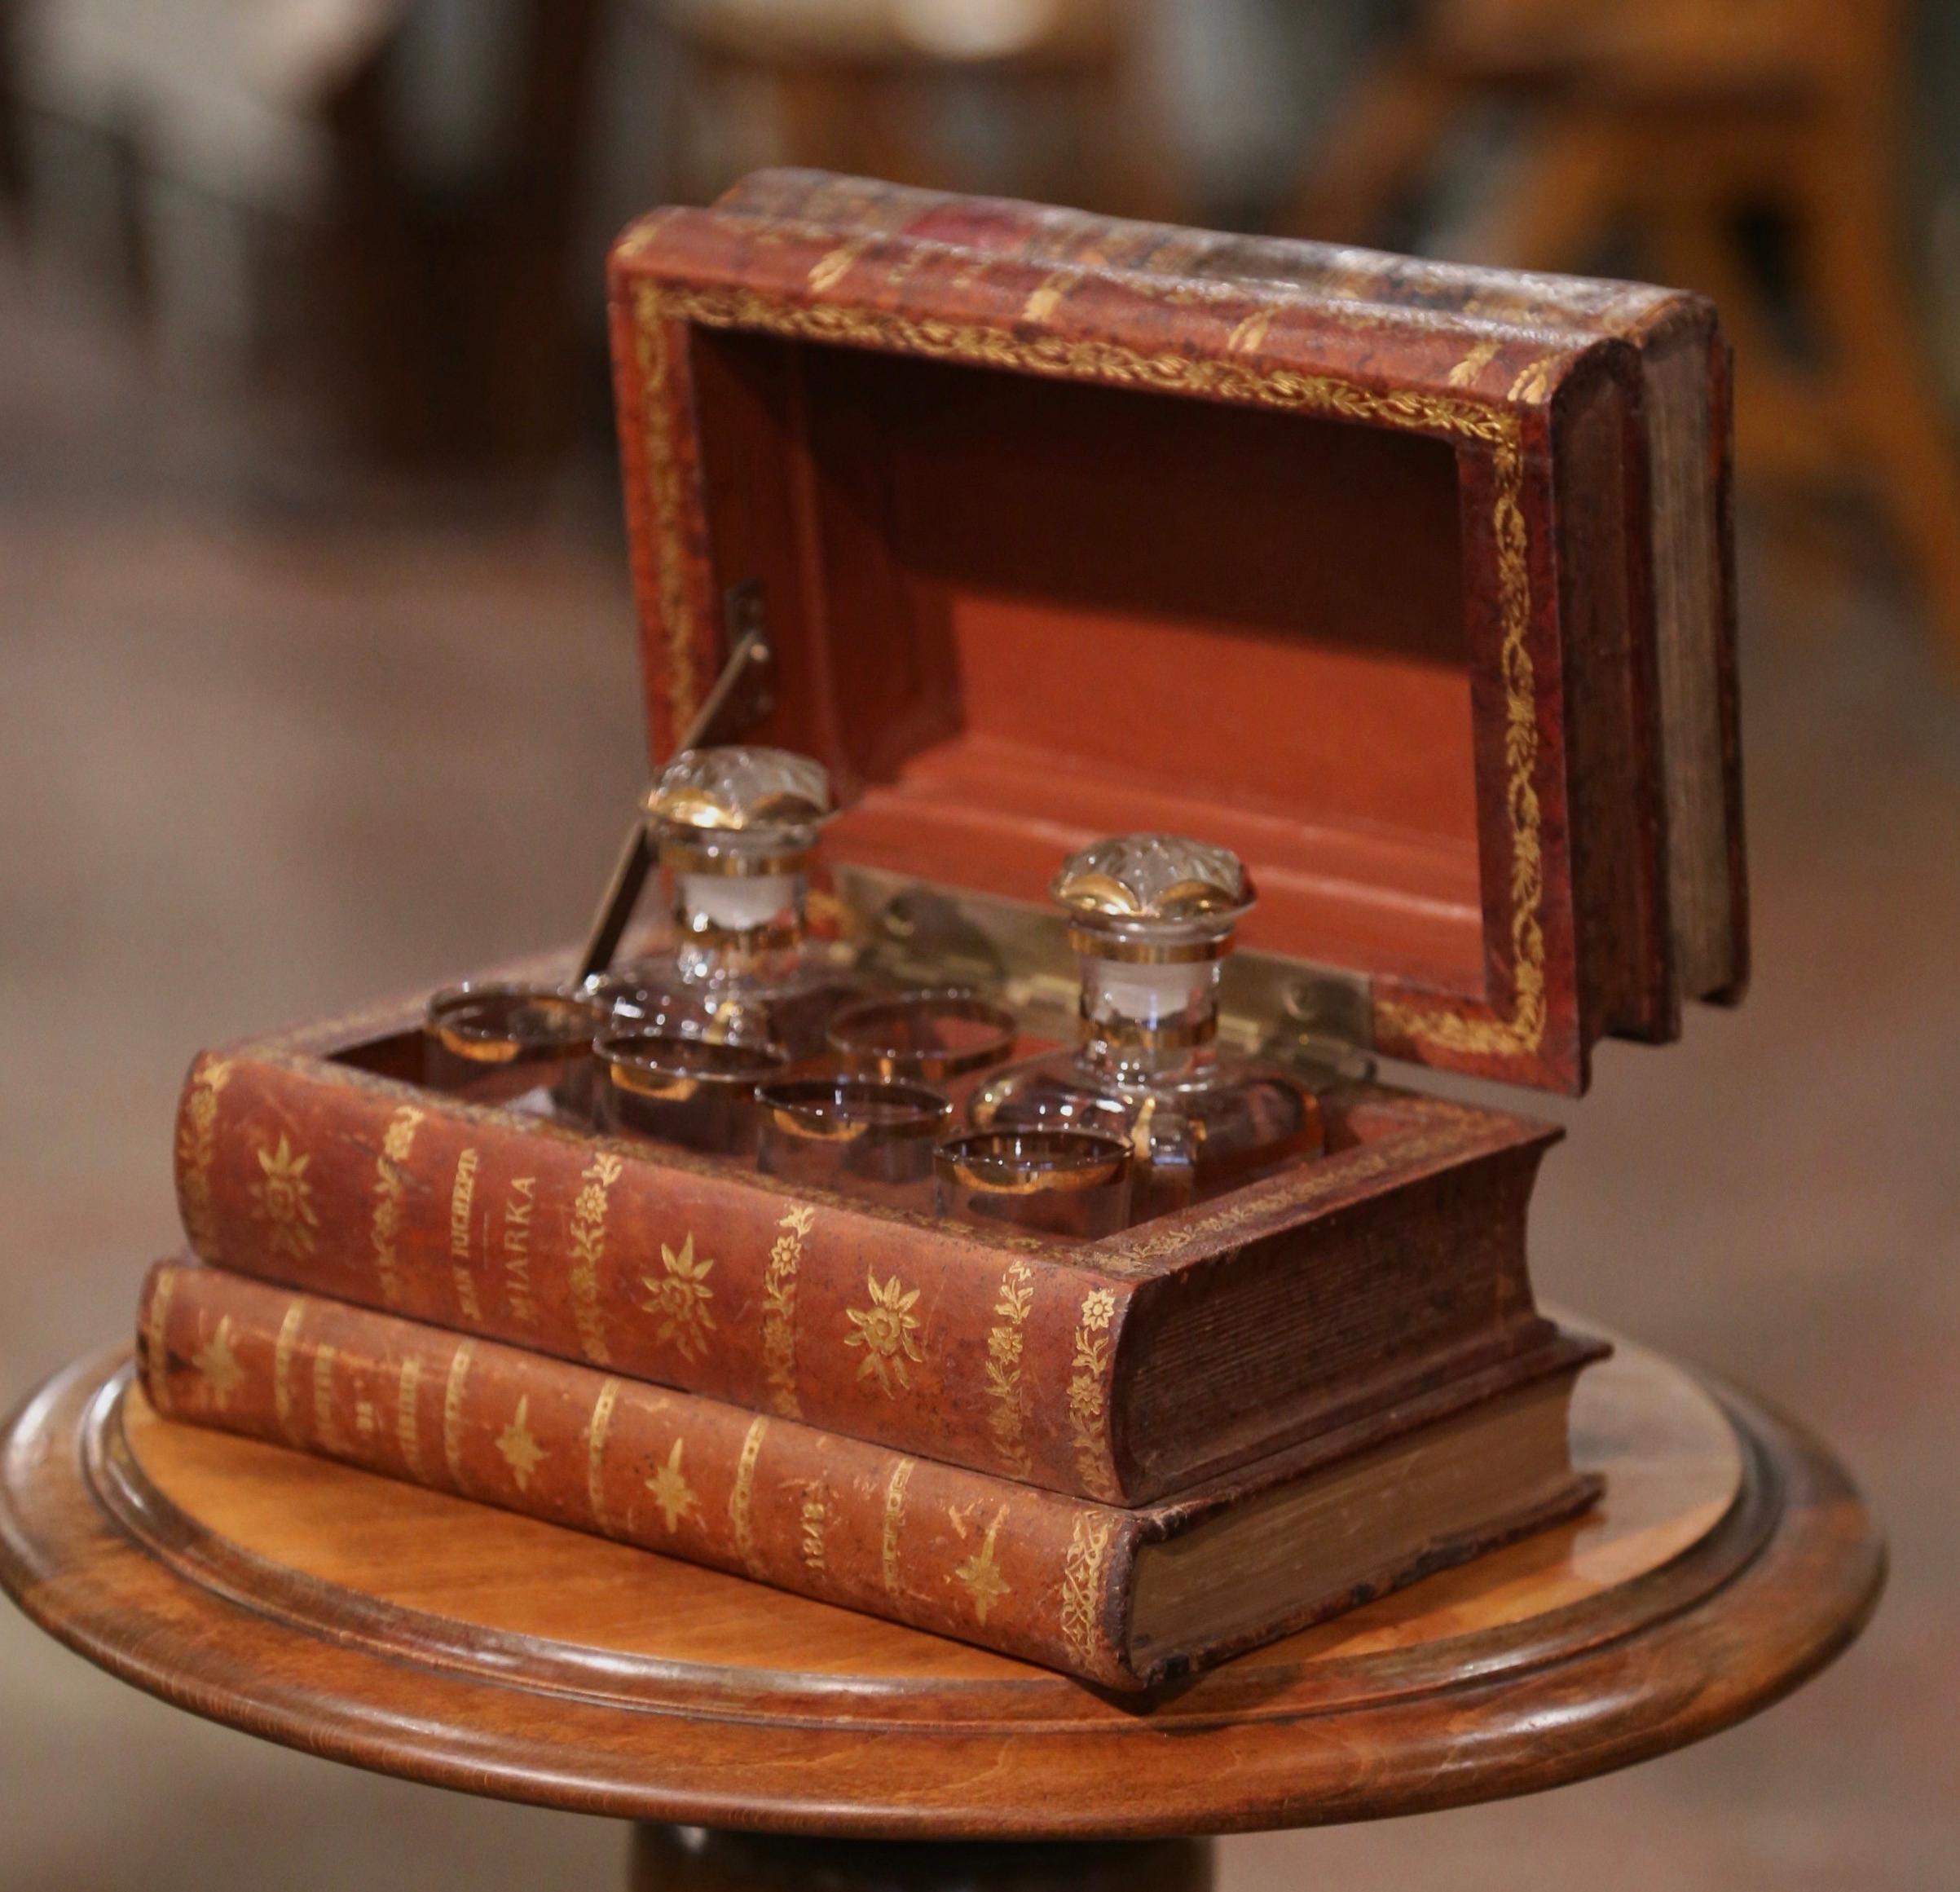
(1151, 918)
(735, 830)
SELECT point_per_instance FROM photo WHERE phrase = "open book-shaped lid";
(1060, 527)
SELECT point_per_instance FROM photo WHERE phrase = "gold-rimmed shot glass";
(494, 1041)
(923, 1037)
(1074, 1184)
(860, 1136)
(695, 1091)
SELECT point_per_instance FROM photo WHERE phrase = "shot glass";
(859, 1135)
(495, 1042)
(695, 1091)
(1074, 1184)
(923, 1037)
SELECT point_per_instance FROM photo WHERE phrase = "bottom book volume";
(1123, 1598)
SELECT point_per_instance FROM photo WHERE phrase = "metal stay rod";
(747, 663)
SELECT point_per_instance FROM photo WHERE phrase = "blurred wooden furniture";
(406, 1630)
(1673, 119)
(451, 340)
(871, 87)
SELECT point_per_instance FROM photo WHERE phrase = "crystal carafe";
(1151, 917)
(736, 829)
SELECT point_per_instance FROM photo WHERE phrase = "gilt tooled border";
(1488, 1034)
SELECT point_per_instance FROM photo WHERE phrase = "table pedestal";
(408, 1631)
(669, 1858)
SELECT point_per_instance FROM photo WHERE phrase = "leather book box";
(1360, 583)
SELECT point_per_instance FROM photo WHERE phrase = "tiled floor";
(252, 767)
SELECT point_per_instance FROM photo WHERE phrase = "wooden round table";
(410, 1632)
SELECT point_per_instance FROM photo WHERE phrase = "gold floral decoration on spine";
(779, 1312)
(981, 1576)
(679, 1299)
(196, 1151)
(742, 1498)
(218, 1369)
(1005, 1415)
(452, 1411)
(517, 1448)
(283, 1350)
(1088, 1394)
(895, 1518)
(884, 1330)
(595, 1455)
(156, 1342)
(1083, 1570)
(1235, 378)
(588, 1251)
(673, 1494)
(282, 1200)
(391, 1192)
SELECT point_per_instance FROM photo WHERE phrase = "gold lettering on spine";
(595, 1455)
(461, 1194)
(588, 1251)
(742, 1499)
(1454, 416)
(895, 1517)
(282, 1370)
(1005, 1416)
(816, 1521)
(779, 1312)
(156, 1346)
(196, 1151)
(517, 1206)
(1082, 1569)
(409, 1414)
(390, 1190)
(452, 1411)
(326, 1428)
(1088, 1394)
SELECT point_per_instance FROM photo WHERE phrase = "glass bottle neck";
(1142, 1022)
(737, 928)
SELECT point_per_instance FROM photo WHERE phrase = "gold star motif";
(282, 1198)
(217, 1366)
(671, 1491)
(522, 1452)
(885, 1331)
(981, 1575)
(680, 1297)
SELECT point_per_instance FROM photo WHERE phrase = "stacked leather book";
(1129, 1454)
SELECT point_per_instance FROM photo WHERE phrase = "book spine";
(930, 1340)
(1081, 240)
(1016, 1570)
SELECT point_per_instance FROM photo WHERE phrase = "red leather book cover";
(1025, 1572)
(1118, 1369)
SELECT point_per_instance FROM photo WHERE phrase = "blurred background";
(316, 681)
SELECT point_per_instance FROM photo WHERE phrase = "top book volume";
(931, 429)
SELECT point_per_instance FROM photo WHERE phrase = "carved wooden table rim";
(410, 1631)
